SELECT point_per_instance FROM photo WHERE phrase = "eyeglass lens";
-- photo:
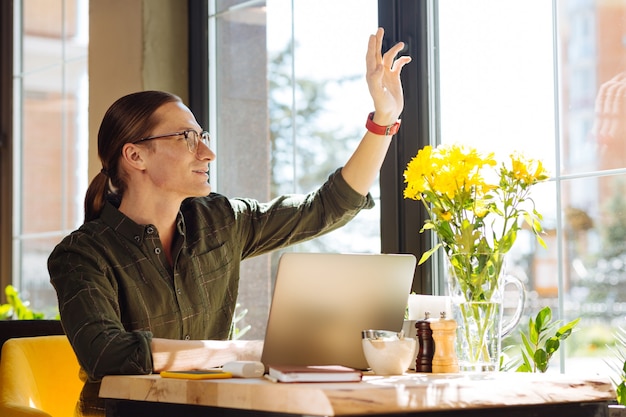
(192, 137)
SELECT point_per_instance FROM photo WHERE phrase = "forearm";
(184, 355)
(362, 168)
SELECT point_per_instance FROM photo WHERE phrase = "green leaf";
(543, 318)
(541, 360)
(542, 242)
(548, 331)
(20, 309)
(429, 253)
(564, 332)
(6, 311)
(533, 331)
(552, 345)
(507, 241)
(621, 393)
(527, 350)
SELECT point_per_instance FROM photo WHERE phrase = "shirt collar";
(123, 225)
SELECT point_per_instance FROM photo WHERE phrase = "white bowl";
(389, 354)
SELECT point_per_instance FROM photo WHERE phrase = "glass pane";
(224, 5)
(594, 97)
(594, 265)
(43, 27)
(41, 187)
(593, 119)
(289, 107)
(497, 89)
(35, 287)
(509, 97)
(318, 100)
(51, 131)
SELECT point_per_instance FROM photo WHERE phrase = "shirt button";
(157, 251)
(137, 239)
(179, 291)
(150, 230)
(187, 337)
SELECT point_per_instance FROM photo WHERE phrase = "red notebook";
(329, 373)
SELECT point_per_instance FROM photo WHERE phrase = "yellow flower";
(459, 170)
(417, 174)
(526, 170)
(466, 195)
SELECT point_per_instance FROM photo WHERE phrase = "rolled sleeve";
(347, 195)
(90, 315)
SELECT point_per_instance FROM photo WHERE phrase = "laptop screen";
(322, 302)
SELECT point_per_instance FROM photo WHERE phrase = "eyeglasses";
(191, 137)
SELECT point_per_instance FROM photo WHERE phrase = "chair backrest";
(10, 329)
(39, 373)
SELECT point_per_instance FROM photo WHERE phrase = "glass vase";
(476, 283)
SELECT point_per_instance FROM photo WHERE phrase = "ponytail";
(96, 196)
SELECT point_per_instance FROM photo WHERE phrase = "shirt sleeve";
(90, 311)
(295, 218)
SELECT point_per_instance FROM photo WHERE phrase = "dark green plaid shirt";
(116, 289)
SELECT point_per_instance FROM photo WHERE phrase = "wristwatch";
(381, 130)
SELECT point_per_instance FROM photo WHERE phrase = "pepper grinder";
(444, 337)
(424, 360)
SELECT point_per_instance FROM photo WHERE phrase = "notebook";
(322, 302)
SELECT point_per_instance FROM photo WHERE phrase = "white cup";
(387, 352)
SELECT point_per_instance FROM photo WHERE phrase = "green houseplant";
(618, 364)
(542, 339)
(16, 308)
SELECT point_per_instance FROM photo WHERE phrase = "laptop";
(322, 302)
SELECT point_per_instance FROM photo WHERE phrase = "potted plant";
(541, 341)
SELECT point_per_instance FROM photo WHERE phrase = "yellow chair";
(38, 377)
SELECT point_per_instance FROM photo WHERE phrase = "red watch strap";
(381, 130)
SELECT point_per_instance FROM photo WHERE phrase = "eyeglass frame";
(203, 137)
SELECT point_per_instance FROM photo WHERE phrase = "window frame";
(401, 219)
(198, 15)
(6, 143)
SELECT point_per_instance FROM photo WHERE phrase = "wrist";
(383, 130)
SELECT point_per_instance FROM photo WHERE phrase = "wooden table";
(505, 393)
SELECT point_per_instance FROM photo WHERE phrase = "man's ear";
(132, 156)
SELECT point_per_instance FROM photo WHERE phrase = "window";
(555, 92)
(288, 105)
(49, 137)
(542, 77)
